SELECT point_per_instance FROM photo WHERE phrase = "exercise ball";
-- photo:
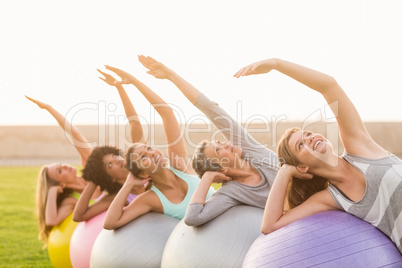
(59, 242)
(326, 239)
(140, 243)
(83, 239)
(222, 242)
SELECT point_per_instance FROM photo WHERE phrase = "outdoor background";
(50, 50)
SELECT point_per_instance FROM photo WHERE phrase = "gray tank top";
(381, 204)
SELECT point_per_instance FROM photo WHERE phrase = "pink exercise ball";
(83, 239)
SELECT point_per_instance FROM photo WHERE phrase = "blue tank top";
(179, 210)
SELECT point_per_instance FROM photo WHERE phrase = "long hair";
(42, 188)
(298, 190)
(94, 169)
(200, 162)
(132, 164)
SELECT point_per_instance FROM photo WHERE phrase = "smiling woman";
(170, 187)
(366, 181)
(57, 182)
(246, 168)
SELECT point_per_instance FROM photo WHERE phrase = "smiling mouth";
(316, 145)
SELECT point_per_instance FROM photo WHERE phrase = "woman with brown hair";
(366, 181)
(246, 168)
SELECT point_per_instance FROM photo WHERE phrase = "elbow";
(77, 218)
(51, 222)
(267, 229)
(110, 225)
(190, 222)
(331, 82)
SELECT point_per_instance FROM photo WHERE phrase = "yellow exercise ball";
(59, 242)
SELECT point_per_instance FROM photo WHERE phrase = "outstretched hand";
(155, 68)
(126, 78)
(259, 67)
(108, 79)
(41, 105)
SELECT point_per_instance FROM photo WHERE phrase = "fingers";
(245, 71)
(144, 61)
(103, 73)
(114, 69)
(29, 98)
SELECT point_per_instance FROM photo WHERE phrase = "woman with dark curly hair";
(105, 165)
(173, 179)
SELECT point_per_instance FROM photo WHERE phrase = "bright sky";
(50, 50)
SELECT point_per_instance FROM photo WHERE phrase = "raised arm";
(137, 134)
(177, 151)
(353, 133)
(231, 129)
(80, 142)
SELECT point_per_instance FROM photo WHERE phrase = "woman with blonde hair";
(366, 181)
(58, 184)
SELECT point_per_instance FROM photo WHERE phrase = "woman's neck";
(337, 172)
(244, 173)
(78, 185)
(163, 178)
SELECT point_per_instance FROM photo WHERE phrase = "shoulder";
(149, 198)
(323, 199)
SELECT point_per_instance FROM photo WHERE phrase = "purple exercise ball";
(327, 239)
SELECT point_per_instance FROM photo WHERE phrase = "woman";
(366, 181)
(246, 168)
(105, 165)
(171, 187)
(58, 185)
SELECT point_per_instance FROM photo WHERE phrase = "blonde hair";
(298, 190)
(200, 162)
(42, 188)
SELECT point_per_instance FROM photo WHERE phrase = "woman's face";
(114, 167)
(61, 173)
(148, 159)
(311, 149)
(223, 153)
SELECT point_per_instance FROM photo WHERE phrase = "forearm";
(161, 107)
(274, 207)
(132, 116)
(83, 202)
(51, 208)
(201, 192)
(116, 208)
(309, 77)
(185, 87)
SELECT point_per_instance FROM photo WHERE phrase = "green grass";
(19, 244)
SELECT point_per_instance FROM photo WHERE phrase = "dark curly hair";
(94, 169)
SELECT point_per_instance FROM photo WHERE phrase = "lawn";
(19, 244)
